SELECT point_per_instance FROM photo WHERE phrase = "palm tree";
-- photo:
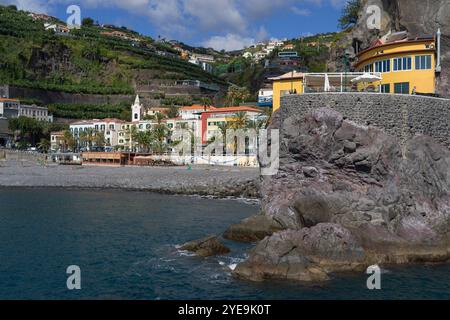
(185, 126)
(99, 139)
(44, 145)
(88, 137)
(131, 134)
(240, 120)
(143, 139)
(206, 102)
(68, 141)
(223, 127)
(160, 132)
(256, 125)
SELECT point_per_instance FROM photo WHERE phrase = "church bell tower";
(136, 110)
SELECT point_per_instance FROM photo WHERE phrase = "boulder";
(304, 255)
(252, 229)
(375, 199)
(206, 247)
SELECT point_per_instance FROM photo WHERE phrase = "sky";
(220, 24)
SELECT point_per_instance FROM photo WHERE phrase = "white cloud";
(301, 12)
(229, 42)
(220, 20)
(38, 6)
(216, 15)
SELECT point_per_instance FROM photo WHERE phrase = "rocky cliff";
(415, 16)
(349, 196)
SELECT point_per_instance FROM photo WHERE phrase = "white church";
(136, 110)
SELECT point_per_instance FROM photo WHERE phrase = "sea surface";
(125, 244)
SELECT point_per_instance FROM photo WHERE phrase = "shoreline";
(203, 181)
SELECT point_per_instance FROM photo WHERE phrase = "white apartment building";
(35, 112)
(193, 112)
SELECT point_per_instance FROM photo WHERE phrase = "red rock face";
(351, 196)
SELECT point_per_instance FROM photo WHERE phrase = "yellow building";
(406, 65)
(289, 83)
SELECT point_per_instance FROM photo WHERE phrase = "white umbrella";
(367, 77)
(327, 86)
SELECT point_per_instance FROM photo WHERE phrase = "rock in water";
(206, 247)
(370, 200)
(253, 229)
(305, 255)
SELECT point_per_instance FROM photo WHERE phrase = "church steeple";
(136, 110)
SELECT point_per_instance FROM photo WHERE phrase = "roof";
(8, 100)
(396, 38)
(57, 133)
(81, 122)
(197, 107)
(172, 119)
(289, 75)
(158, 109)
(108, 120)
(233, 109)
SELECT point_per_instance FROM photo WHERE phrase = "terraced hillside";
(86, 60)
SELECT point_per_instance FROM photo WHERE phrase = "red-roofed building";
(194, 111)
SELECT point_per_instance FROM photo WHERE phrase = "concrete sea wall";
(402, 116)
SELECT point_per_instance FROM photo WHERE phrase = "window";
(423, 62)
(401, 88)
(383, 66)
(136, 116)
(368, 68)
(385, 88)
(111, 127)
(401, 64)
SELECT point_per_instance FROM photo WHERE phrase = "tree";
(160, 132)
(223, 127)
(87, 138)
(232, 94)
(237, 95)
(143, 140)
(99, 139)
(240, 120)
(350, 13)
(131, 134)
(205, 101)
(44, 145)
(173, 112)
(69, 141)
(87, 22)
(26, 129)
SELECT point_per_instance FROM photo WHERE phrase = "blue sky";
(221, 24)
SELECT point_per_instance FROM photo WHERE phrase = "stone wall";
(48, 97)
(402, 116)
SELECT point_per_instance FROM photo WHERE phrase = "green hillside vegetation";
(91, 111)
(84, 61)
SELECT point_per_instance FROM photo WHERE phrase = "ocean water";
(126, 246)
